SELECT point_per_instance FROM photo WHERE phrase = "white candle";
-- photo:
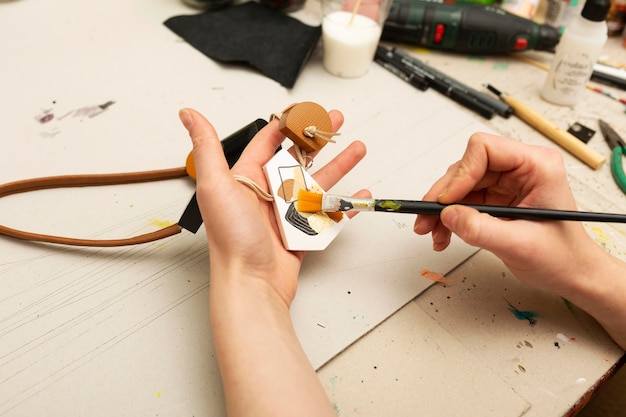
(349, 48)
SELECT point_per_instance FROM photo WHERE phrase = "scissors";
(618, 148)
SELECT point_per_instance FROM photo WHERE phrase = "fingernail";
(437, 244)
(417, 226)
(186, 118)
(449, 217)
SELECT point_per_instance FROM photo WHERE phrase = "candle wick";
(355, 9)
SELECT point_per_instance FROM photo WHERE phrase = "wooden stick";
(562, 137)
(355, 9)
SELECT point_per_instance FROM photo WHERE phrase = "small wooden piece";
(190, 166)
(298, 117)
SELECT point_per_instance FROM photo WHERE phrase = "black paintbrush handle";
(527, 213)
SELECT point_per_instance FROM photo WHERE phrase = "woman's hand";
(556, 256)
(241, 228)
(264, 370)
(499, 171)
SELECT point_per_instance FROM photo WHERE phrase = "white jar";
(577, 52)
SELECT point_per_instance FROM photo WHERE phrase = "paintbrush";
(309, 202)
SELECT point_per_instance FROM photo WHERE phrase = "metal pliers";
(618, 148)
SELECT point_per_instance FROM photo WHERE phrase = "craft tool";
(499, 106)
(618, 151)
(615, 77)
(613, 64)
(606, 93)
(465, 28)
(444, 86)
(388, 60)
(566, 140)
(310, 202)
(581, 132)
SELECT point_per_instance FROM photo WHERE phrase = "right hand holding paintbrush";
(559, 257)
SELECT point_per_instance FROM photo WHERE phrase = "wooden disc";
(300, 116)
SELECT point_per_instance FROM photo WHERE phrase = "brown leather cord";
(104, 243)
(65, 181)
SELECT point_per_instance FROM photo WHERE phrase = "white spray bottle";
(580, 45)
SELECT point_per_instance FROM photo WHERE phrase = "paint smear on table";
(611, 238)
(53, 118)
(500, 66)
(161, 223)
(48, 115)
(437, 277)
(564, 338)
(523, 315)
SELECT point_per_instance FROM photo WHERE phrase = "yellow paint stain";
(159, 394)
(600, 237)
(598, 230)
(161, 223)
(419, 49)
(611, 239)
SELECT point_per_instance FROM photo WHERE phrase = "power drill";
(471, 28)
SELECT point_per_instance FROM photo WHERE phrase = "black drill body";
(465, 28)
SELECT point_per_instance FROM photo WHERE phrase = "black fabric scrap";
(267, 39)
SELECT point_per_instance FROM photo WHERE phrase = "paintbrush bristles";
(309, 202)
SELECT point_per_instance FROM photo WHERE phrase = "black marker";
(499, 106)
(463, 98)
(457, 94)
(614, 77)
(387, 59)
(422, 79)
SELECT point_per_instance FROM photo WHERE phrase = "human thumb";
(475, 228)
(208, 156)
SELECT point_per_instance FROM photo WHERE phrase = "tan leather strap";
(65, 181)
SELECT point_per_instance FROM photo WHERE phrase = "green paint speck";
(390, 205)
(523, 315)
(500, 66)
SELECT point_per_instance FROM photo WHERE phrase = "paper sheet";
(126, 331)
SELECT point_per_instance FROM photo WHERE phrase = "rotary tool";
(465, 28)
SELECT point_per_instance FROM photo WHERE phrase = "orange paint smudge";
(337, 216)
(437, 277)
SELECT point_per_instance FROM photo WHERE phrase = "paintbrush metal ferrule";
(332, 202)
